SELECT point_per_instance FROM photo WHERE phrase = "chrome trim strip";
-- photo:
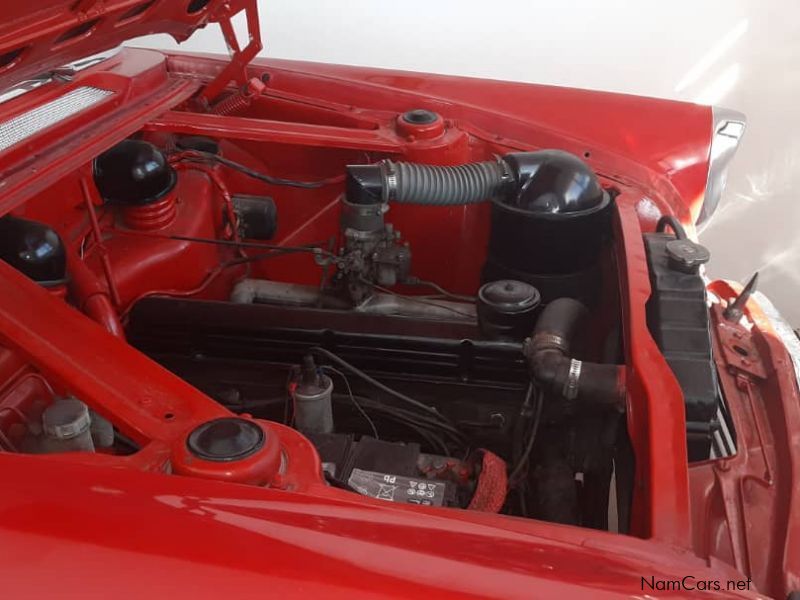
(723, 443)
(727, 130)
(65, 73)
(93, 59)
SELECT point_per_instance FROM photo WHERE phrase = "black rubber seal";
(420, 116)
(225, 440)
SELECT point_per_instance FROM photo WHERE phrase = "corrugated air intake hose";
(435, 185)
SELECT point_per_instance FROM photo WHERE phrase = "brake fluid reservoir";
(66, 425)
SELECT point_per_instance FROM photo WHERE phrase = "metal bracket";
(236, 69)
(737, 347)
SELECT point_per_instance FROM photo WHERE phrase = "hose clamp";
(390, 181)
(504, 170)
(548, 341)
(570, 391)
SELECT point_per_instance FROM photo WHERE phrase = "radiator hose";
(550, 362)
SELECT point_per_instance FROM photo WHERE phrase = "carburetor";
(372, 253)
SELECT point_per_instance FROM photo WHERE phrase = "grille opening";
(9, 58)
(195, 6)
(77, 31)
(136, 11)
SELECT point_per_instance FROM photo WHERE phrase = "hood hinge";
(236, 69)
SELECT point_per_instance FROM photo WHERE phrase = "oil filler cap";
(226, 439)
(507, 309)
(509, 296)
(686, 256)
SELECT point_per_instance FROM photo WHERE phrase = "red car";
(273, 328)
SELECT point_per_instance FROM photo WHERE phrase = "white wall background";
(743, 54)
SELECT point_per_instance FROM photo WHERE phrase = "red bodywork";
(90, 524)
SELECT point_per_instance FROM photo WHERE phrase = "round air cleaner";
(550, 229)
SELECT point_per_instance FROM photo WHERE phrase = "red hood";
(57, 32)
(203, 539)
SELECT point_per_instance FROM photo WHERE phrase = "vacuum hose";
(548, 354)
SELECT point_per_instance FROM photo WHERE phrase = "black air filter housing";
(550, 225)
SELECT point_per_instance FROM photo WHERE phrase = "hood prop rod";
(236, 69)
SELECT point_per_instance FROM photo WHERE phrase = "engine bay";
(443, 328)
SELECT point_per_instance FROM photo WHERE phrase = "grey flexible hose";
(463, 184)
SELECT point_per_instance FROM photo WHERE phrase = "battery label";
(396, 488)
